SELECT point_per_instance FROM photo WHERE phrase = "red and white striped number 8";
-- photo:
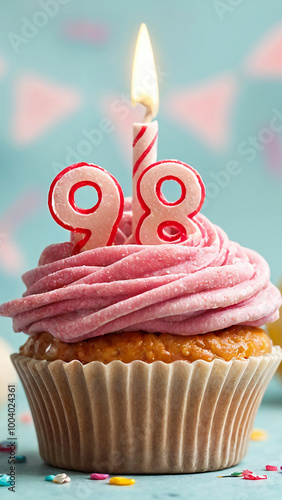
(164, 221)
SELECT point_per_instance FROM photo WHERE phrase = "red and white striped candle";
(145, 139)
(145, 91)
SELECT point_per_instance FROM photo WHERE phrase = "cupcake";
(146, 358)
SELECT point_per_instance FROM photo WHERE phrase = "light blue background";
(191, 45)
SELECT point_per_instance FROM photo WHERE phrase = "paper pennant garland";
(205, 110)
(39, 105)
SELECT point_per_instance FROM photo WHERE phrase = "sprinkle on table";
(5, 480)
(121, 481)
(247, 474)
(49, 478)
(271, 467)
(234, 474)
(20, 459)
(246, 471)
(6, 446)
(98, 476)
(259, 435)
(61, 478)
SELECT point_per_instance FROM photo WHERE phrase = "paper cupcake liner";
(145, 418)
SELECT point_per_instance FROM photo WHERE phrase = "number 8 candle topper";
(164, 221)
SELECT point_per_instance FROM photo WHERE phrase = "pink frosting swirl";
(185, 289)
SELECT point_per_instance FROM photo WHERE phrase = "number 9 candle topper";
(99, 223)
(163, 221)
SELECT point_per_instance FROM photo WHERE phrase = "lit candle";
(145, 91)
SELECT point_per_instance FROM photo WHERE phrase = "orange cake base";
(236, 342)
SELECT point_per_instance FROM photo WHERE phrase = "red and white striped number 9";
(164, 221)
(99, 223)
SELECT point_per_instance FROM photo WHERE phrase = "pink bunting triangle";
(12, 259)
(205, 109)
(273, 156)
(39, 105)
(266, 58)
(85, 30)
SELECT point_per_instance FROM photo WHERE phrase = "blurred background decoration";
(65, 70)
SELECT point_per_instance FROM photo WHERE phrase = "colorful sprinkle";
(121, 481)
(5, 480)
(5, 443)
(259, 435)
(252, 477)
(97, 476)
(246, 471)
(5, 446)
(247, 474)
(49, 478)
(20, 459)
(234, 474)
(61, 478)
(271, 467)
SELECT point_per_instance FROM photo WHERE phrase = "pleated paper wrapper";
(145, 418)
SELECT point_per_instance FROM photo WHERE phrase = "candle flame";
(144, 83)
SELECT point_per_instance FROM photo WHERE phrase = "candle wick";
(148, 115)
